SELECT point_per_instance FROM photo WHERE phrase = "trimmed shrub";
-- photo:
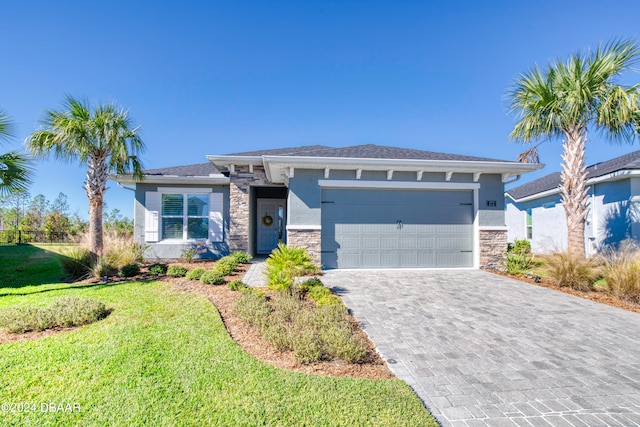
(323, 296)
(129, 270)
(226, 265)
(64, 312)
(253, 308)
(241, 257)
(622, 272)
(236, 285)
(76, 262)
(158, 269)
(569, 270)
(212, 277)
(176, 271)
(195, 274)
(312, 333)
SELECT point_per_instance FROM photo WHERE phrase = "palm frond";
(15, 173)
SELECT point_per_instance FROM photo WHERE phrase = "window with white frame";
(529, 224)
(185, 216)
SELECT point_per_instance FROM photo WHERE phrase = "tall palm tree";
(15, 169)
(104, 139)
(562, 102)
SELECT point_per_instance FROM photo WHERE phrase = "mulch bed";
(246, 336)
(595, 295)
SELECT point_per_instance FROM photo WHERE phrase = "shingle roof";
(367, 151)
(552, 181)
(289, 151)
(200, 169)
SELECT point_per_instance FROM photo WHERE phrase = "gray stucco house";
(364, 206)
(534, 210)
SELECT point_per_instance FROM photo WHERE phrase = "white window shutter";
(216, 222)
(152, 205)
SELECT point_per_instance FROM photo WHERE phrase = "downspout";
(125, 188)
(516, 178)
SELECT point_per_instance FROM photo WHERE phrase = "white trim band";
(303, 227)
(335, 183)
(493, 228)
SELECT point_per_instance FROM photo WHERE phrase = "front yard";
(164, 357)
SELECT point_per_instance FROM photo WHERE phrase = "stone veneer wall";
(493, 243)
(309, 239)
(239, 218)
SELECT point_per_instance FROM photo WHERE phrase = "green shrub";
(212, 277)
(72, 311)
(236, 285)
(253, 308)
(158, 269)
(226, 265)
(189, 254)
(519, 246)
(195, 274)
(129, 270)
(622, 272)
(517, 263)
(285, 263)
(323, 296)
(63, 312)
(307, 285)
(120, 250)
(102, 268)
(312, 333)
(76, 262)
(569, 270)
(241, 257)
(176, 271)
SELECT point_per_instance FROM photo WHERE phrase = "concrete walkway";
(254, 277)
(484, 350)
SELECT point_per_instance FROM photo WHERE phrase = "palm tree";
(15, 170)
(562, 102)
(104, 139)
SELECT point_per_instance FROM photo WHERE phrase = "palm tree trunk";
(95, 227)
(572, 188)
(95, 186)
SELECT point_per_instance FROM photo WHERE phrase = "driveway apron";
(484, 350)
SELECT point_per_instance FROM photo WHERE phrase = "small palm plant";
(285, 264)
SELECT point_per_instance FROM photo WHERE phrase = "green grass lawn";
(164, 358)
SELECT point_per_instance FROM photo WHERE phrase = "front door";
(270, 224)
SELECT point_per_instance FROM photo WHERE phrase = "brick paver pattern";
(484, 350)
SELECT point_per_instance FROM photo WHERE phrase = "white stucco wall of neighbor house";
(549, 227)
(515, 220)
(613, 217)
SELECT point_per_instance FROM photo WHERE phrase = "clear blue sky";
(214, 77)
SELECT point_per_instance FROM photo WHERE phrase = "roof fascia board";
(217, 179)
(235, 160)
(275, 165)
(610, 177)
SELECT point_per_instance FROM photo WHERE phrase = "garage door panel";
(360, 228)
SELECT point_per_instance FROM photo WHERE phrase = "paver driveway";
(482, 349)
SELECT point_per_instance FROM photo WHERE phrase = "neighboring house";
(364, 206)
(534, 210)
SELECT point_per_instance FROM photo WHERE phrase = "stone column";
(493, 243)
(309, 239)
(241, 181)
